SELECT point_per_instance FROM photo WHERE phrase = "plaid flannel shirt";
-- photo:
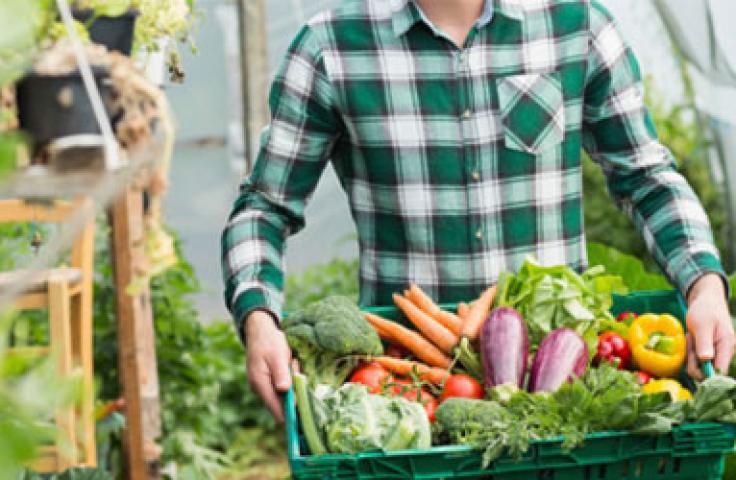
(458, 162)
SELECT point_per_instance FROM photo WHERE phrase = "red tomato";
(626, 317)
(397, 351)
(413, 394)
(642, 377)
(372, 375)
(399, 384)
(613, 349)
(405, 388)
(430, 406)
(461, 385)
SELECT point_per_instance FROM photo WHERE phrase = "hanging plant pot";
(54, 106)
(115, 33)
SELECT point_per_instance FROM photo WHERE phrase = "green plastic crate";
(691, 451)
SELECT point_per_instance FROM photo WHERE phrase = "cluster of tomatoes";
(381, 381)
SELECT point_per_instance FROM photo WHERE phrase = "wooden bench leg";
(61, 346)
(81, 315)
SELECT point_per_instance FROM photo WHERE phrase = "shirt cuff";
(694, 267)
(251, 300)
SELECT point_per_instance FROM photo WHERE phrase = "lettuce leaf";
(549, 298)
(626, 266)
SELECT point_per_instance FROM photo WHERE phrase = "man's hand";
(268, 360)
(711, 335)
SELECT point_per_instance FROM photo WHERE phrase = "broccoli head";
(464, 420)
(327, 336)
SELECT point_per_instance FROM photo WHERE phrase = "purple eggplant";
(504, 348)
(562, 356)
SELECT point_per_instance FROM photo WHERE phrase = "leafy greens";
(604, 399)
(549, 298)
(349, 419)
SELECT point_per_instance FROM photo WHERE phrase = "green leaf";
(107, 8)
(713, 399)
(553, 297)
(626, 267)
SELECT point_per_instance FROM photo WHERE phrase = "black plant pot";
(51, 107)
(115, 33)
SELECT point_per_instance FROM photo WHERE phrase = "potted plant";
(109, 22)
(152, 29)
(52, 101)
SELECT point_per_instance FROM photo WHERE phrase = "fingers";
(268, 370)
(261, 380)
(279, 366)
(693, 366)
(703, 337)
(724, 347)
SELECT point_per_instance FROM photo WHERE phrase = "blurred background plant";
(29, 392)
(17, 40)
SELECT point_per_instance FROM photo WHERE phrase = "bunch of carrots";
(438, 332)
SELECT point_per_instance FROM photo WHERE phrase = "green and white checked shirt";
(458, 162)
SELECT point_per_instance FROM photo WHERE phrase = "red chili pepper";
(626, 317)
(613, 348)
(642, 377)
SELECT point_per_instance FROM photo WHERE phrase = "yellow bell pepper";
(658, 344)
(673, 387)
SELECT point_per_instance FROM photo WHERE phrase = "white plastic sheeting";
(703, 31)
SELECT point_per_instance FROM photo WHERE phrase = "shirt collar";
(406, 13)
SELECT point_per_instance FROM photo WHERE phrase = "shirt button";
(476, 175)
(463, 57)
(467, 114)
(479, 235)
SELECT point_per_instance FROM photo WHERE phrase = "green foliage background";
(208, 410)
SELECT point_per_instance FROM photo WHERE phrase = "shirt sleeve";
(619, 134)
(292, 156)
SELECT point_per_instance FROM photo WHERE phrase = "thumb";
(703, 333)
(280, 374)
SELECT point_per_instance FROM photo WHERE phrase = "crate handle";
(707, 368)
(292, 432)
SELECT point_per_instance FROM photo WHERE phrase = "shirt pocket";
(532, 111)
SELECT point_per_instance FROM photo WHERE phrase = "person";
(455, 128)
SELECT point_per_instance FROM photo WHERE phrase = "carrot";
(423, 301)
(412, 341)
(477, 313)
(462, 310)
(430, 328)
(450, 321)
(383, 334)
(407, 367)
